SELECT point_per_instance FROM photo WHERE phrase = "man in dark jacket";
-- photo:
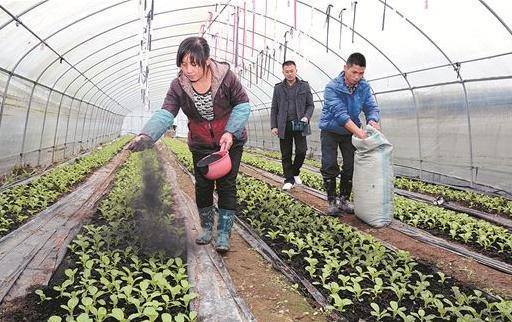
(292, 108)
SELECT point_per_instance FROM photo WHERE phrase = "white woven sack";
(373, 178)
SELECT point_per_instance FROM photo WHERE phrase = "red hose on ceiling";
(244, 38)
(295, 14)
(253, 22)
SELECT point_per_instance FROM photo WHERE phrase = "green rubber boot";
(226, 218)
(206, 216)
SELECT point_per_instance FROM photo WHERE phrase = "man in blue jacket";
(344, 99)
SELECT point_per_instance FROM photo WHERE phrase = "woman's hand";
(227, 140)
(140, 142)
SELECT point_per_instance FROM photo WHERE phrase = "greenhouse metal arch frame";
(444, 109)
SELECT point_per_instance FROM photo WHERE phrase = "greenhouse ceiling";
(91, 49)
(440, 69)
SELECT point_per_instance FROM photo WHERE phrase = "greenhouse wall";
(436, 136)
(39, 126)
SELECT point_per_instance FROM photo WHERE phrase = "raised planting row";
(490, 204)
(121, 267)
(480, 235)
(20, 203)
(308, 178)
(277, 155)
(181, 151)
(492, 240)
(473, 200)
(357, 273)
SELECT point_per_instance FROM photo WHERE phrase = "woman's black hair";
(198, 49)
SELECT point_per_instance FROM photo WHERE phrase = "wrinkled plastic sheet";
(30, 254)
(507, 223)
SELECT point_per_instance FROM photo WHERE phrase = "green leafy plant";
(340, 304)
(395, 309)
(110, 278)
(364, 268)
(377, 312)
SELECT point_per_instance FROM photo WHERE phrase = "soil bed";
(492, 252)
(363, 309)
(463, 269)
(147, 234)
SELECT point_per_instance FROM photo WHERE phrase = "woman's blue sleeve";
(158, 124)
(238, 119)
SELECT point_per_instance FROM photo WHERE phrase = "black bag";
(298, 126)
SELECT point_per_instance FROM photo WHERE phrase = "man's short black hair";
(288, 63)
(356, 59)
(198, 49)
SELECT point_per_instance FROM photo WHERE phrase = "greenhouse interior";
(255, 160)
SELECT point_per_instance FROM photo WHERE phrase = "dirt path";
(463, 269)
(269, 295)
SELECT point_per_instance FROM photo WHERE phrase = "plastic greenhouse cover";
(413, 37)
(446, 65)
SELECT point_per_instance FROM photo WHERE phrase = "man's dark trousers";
(291, 169)
(330, 143)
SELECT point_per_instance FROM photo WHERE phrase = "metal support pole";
(56, 129)
(22, 150)
(67, 127)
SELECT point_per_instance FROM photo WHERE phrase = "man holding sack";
(344, 99)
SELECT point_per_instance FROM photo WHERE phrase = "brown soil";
(464, 269)
(269, 295)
